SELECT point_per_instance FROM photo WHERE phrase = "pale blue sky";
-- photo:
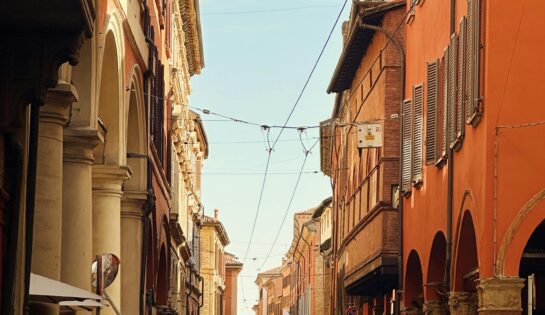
(256, 65)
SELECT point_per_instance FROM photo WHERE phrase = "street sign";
(369, 135)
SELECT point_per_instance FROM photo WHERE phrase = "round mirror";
(110, 267)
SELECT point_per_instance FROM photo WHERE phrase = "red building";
(473, 210)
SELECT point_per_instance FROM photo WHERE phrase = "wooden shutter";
(460, 119)
(473, 62)
(444, 133)
(407, 150)
(452, 67)
(418, 100)
(432, 113)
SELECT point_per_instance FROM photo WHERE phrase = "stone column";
(435, 307)
(77, 218)
(46, 244)
(462, 303)
(500, 296)
(132, 209)
(107, 192)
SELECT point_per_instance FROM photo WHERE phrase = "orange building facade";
(232, 270)
(473, 210)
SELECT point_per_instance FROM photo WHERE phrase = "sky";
(256, 64)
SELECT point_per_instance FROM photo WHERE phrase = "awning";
(43, 289)
(87, 305)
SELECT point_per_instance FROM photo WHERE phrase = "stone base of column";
(411, 311)
(500, 296)
(462, 303)
(435, 307)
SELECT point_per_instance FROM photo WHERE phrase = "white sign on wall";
(369, 135)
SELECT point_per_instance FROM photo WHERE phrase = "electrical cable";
(307, 152)
(311, 74)
(259, 200)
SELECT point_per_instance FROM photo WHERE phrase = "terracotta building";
(213, 239)
(472, 157)
(368, 82)
(94, 162)
(232, 270)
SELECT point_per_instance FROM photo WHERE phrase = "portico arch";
(414, 291)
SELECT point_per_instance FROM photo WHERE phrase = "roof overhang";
(358, 41)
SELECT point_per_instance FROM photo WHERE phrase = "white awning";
(47, 290)
(87, 305)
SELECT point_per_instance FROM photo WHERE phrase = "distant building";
(269, 284)
(213, 239)
(232, 270)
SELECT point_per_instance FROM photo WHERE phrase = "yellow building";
(213, 241)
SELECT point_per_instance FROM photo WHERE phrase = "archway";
(110, 105)
(162, 278)
(467, 264)
(136, 138)
(532, 268)
(435, 279)
(414, 290)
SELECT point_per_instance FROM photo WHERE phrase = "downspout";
(400, 207)
(30, 195)
(450, 179)
(149, 189)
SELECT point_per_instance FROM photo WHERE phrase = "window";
(418, 99)
(406, 146)
(452, 80)
(460, 119)
(432, 113)
(473, 52)
(445, 106)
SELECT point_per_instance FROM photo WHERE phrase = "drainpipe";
(30, 195)
(450, 179)
(400, 209)
(151, 197)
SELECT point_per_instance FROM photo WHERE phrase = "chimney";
(345, 31)
(216, 214)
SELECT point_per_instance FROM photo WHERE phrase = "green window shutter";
(432, 113)
(451, 103)
(406, 147)
(418, 100)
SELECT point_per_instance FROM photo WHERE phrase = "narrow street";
(295, 157)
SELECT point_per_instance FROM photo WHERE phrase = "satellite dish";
(109, 264)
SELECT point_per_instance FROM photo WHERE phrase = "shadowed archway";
(414, 291)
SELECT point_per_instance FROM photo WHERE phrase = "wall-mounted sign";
(352, 311)
(369, 135)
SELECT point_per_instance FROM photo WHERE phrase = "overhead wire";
(307, 152)
(310, 74)
(284, 126)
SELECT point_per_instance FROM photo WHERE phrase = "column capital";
(132, 204)
(500, 295)
(462, 302)
(108, 179)
(79, 144)
(411, 311)
(57, 103)
(435, 307)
